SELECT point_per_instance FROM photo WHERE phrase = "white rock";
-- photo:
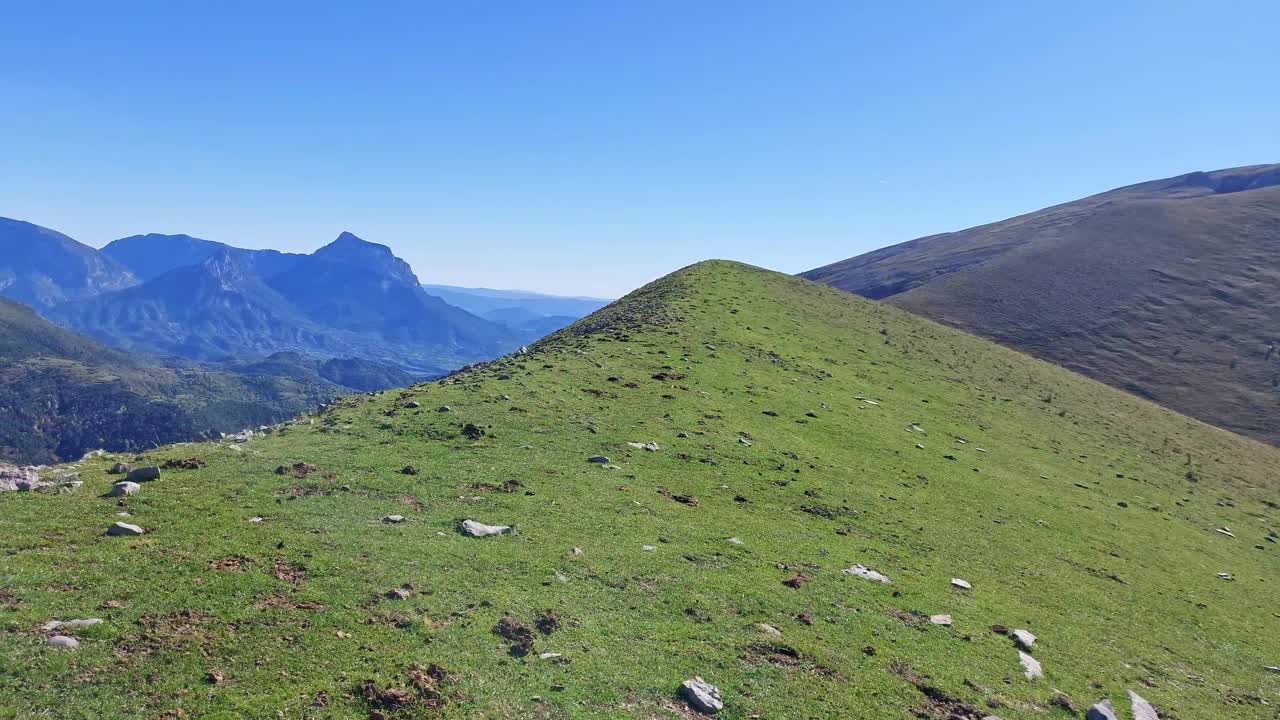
(867, 573)
(122, 488)
(1226, 531)
(476, 529)
(393, 519)
(1142, 710)
(702, 695)
(919, 446)
(1024, 639)
(1031, 666)
(1226, 576)
(60, 624)
(1101, 711)
(648, 548)
(962, 584)
(944, 620)
(650, 446)
(548, 656)
(769, 630)
(735, 541)
(62, 642)
(123, 528)
(143, 474)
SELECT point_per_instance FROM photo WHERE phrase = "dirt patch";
(797, 580)
(299, 470)
(234, 563)
(548, 622)
(278, 601)
(517, 633)
(194, 463)
(780, 655)
(166, 633)
(911, 618)
(426, 689)
(289, 572)
(938, 704)
(8, 599)
(509, 486)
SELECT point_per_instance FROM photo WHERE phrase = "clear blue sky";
(587, 147)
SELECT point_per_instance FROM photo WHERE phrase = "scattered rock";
(548, 655)
(397, 594)
(867, 573)
(143, 474)
(961, 584)
(123, 528)
(443, 408)
(61, 624)
(1142, 710)
(735, 541)
(1023, 639)
(648, 548)
(650, 446)
(944, 620)
(1101, 711)
(769, 630)
(409, 470)
(62, 642)
(702, 696)
(120, 469)
(1226, 576)
(393, 519)
(475, 529)
(472, 431)
(22, 479)
(1031, 666)
(122, 488)
(598, 459)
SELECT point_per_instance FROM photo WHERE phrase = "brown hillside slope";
(1169, 289)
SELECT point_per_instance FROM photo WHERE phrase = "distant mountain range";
(1169, 289)
(177, 295)
(531, 315)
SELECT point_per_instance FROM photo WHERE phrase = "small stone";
(1101, 711)
(735, 541)
(396, 594)
(944, 620)
(475, 529)
(1272, 668)
(769, 630)
(702, 696)
(1031, 666)
(598, 459)
(919, 446)
(443, 408)
(650, 446)
(60, 624)
(648, 548)
(1226, 531)
(744, 441)
(867, 573)
(1225, 576)
(1142, 710)
(413, 405)
(144, 474)
(961, 584)
(120, 469)
(409, 470)
(122, 488)
(548, 655)
(123, 528)
(576, 551)
(393, 519)
(62, 642)
(1024, 639)
(682, 434)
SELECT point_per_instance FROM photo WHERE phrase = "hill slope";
(787, 417)
(62, 394)
(41, 267)
(1169, 289)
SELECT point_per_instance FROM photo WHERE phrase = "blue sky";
(588, 147)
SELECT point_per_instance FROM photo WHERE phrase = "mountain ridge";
(1165, 288)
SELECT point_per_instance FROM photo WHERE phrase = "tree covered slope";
(799, 432)
(1169, 289)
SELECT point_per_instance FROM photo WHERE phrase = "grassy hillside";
(1167, 289)
(817, 429)
(62, 394)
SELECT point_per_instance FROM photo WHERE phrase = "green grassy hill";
(816, 429)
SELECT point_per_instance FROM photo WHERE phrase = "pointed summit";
(355, 252)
